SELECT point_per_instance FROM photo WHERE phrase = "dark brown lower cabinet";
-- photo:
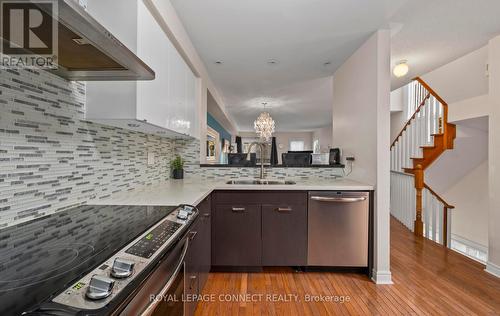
(205, 234)
(259, 228)
(237, 239)
(284, 235)
(198, 258)
(191, 269)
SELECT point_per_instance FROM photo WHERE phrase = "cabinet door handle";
(192, 279)
(284, 209)
(192, 234)
(206, 215)
(239, 209)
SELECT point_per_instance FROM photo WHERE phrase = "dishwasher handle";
(338, 199)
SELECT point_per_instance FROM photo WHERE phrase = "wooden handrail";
(443, 102)
(431, 91)
(449, 206)
(411, 118)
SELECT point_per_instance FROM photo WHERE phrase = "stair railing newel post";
(419, 186)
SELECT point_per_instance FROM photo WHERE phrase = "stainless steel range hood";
(89, 52)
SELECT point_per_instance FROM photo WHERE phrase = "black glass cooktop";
(41, 257)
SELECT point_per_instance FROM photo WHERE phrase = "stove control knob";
(122, 268)
(183, 215)
(188, 209)
(99, 288)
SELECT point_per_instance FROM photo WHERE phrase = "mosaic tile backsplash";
(51, 159)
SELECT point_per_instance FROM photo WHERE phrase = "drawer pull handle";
(239, 209)
(206, 215)
(284, 209)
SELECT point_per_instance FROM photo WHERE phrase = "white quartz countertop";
(192, 191)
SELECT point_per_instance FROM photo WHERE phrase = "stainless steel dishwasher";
(338, 229)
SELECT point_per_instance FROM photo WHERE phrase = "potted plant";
(177, 167)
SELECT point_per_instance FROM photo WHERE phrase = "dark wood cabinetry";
(198, 258)
(205, 235)
(237, 235)
(259, 228)
(284, 234)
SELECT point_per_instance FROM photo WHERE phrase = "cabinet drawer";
(261, 197)
(237, 230)
(284, 235)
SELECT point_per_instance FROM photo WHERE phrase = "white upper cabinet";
(166, 105)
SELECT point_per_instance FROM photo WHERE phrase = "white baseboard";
(382, 277)
(493, 269)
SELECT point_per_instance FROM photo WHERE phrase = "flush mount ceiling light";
(264, 125)
(401, 69)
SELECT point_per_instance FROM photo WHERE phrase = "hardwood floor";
(428, 280)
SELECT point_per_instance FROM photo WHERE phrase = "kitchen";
(93, 220)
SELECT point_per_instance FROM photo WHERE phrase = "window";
(296, 145)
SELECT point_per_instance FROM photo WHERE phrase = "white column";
(493, 265)
(361, 94)
(382, 272)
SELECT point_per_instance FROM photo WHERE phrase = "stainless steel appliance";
(143, 277)
(338, 229)
(88, 51)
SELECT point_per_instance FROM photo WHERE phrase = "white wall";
(470, 197)
(324, 135)
(469, 108)
(461, 79)
(361, 127)
(397, 100)
(397, 122)
(493, 265)
(470, 150)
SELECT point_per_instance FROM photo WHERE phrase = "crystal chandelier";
(264, 125)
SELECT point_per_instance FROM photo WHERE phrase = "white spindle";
(403, 198)
(425, 202)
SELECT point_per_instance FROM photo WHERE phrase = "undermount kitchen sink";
(261, 181)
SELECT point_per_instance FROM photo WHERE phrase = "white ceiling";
(304, 34)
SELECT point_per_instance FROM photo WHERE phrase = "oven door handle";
(152, 306)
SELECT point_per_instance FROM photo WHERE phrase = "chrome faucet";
(261, 146)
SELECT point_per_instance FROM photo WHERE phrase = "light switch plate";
(151, 158)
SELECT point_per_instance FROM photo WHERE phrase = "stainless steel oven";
(162, 292)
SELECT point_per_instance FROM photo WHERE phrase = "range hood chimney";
(89, 52)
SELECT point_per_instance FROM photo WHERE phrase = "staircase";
(425, 137)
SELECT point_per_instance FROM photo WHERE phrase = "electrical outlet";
(151, 158)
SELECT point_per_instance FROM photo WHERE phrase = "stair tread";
(430, 147)
(438, 134)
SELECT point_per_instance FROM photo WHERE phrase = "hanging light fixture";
(264, 125)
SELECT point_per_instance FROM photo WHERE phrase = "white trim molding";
(382, 277)
(469, 248)
(493, 269)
